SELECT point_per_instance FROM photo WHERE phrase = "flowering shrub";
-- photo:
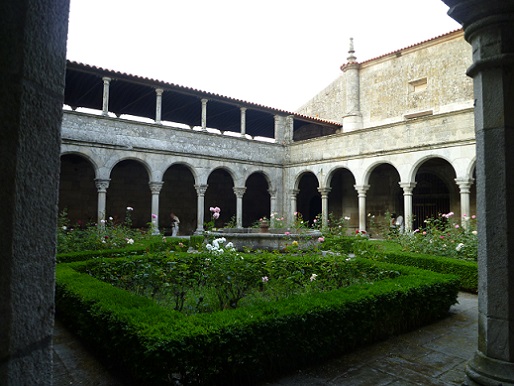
(109, 235)
(215, 214)
(277, 221)
(216, 246)
(201, 283)
(335, 226)
(299, 224)
(444, 236)
(361, 233)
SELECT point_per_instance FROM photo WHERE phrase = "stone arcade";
(406, 145)
(34, 36)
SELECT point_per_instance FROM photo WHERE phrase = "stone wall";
(392, 86)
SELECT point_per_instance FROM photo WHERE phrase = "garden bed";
(156, 345)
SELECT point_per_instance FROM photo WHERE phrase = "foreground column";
(200, 190)
(32, 70)
(489, 27)
(407, 187)
(101, 186)
(361, 191)
(239, 192)
(155, 188)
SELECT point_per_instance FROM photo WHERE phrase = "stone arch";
(77, 189)
(342, 198)
(220, 193)
(178, 195)
(84, 155)
(256, 200)
(384, 196)
(421, 161)
(436, 191)
(308, 200)
(112, 163)
(129, 188)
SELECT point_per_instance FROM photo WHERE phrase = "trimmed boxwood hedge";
(144, 247)
(467, 271)
(391, 252)
(154, 345)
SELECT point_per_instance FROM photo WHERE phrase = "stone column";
(278, 128)
(243, 121)
(204, 113)
(105, 103)
(361, 190)
(324, 205)
(407, 187)
(239, 192)
(293, 193)
(155, 188)
(489, 27)
(32, 72)
(200, 191)
(158, 104)
(272, 200)
(464, 187)
(101, 186)
(352, 120)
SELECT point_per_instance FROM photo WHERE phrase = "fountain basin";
(273, 240)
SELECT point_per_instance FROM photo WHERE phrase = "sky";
(278, 53)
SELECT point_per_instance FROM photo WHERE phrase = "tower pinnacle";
(351, 51)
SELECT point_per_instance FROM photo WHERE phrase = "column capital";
(156, 186)
(467, 12)
(361, 189)
(294, 192)
(106, 79)
(324, 191)
(204, 101)
(407, 187)
(201, 189)
(464, 183)
(239, 191)
(159, 91)
(243, 109)
(102, 184)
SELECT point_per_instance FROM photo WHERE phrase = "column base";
(485, 371)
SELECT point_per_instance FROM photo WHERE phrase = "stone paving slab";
(433, 355)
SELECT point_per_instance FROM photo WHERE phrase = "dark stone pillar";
(33, 58)
(489, 28)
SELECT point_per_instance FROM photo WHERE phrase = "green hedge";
(154, 245)
(467, 271)
(391, 252)
(154, 345)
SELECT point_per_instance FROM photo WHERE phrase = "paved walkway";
(433, 355)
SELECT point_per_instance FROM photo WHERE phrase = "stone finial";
(351, 51)
(351, 59)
